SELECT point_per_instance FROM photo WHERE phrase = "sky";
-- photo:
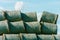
(38, 6)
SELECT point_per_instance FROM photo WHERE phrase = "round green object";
(48, 28)
(28, 36)
(13, 15)
(4, 28)
(29, 17)
(11, 37)
(16, 27)
(49, 17)
(2, 16)
(45, 37)
(32, 27)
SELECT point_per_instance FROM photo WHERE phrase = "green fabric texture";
(32, 27)
(29, 17)
(45, 37)
(16, 27)
(49, 17)
(11, 37)
(2, 15)
(48, 28)
(13, 15)
(4, 27)
(28, 36)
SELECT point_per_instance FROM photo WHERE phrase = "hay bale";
(45, 37)
(4, 27)
(49, 17)
(48, 28)
(16, 27)
(2, 15)
(11, 37)
(13, 15)
(29, 17)
(32, 27)
(28, 36)
(57, 37)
